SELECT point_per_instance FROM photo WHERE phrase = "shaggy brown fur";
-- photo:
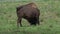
(30, 12)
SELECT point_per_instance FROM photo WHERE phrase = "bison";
(30, 12)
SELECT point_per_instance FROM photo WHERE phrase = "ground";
(50, 18)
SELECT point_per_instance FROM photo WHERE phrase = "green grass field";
(50, 14)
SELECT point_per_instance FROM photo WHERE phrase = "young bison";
(29, 12)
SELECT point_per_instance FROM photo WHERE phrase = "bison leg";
(38, 21)
(19, 22)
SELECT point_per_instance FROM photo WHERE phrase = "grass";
(50, 14)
